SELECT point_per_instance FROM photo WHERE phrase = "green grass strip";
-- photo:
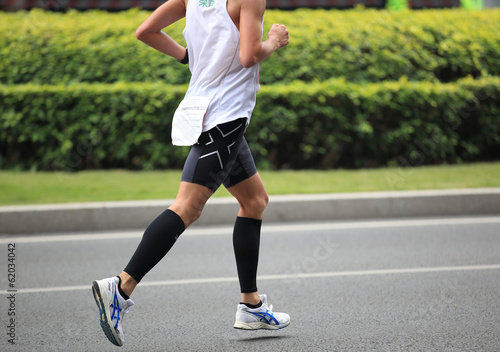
(18, 188)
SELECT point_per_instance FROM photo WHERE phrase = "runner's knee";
(188, 211)
(255, 204)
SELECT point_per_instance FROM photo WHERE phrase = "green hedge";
(360, 45)
(316, 125)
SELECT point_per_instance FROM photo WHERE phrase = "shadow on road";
(257, 338)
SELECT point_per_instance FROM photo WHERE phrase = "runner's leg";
(245, 184)
(206, 167)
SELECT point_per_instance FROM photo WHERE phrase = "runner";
(224, 49)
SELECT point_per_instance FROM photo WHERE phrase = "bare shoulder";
(234, 3)
(177, 3)
(254, 8)
(238, 5)
(254, 5)
(234, 9)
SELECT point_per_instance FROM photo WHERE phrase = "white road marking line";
(295, 276)
(271, 228)
(70, 238)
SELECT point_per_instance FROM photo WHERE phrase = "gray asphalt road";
(395, 285)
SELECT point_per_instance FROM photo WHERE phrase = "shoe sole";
(104, 314)
(258, 326)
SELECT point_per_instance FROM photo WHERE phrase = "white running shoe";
(112, 308)
(260, 318)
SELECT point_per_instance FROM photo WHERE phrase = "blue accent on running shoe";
(116, 308)
(267, 317)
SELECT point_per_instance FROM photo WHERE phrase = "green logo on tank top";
(206, 3)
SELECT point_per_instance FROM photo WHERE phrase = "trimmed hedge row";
(360, 45)
(316, 125)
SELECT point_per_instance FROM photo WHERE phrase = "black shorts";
(221, 156)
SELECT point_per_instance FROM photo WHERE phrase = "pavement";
(419, 284)
(380, 271)
(104, 216)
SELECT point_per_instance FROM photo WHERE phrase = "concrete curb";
(220, 211)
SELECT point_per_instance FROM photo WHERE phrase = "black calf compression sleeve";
(157, 240)
(246, 241)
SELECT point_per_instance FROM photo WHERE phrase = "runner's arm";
(150, 31)
(252, 49)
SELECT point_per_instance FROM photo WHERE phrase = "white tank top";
(214, 44)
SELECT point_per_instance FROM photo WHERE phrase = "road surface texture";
(385, 285)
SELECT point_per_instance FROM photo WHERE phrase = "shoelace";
(121, 312)
(122, 309)
(269, 310)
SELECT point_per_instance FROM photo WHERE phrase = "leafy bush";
(88, 126)
(340, 124)
(359, 45)
(77, 91)
(316, 125)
